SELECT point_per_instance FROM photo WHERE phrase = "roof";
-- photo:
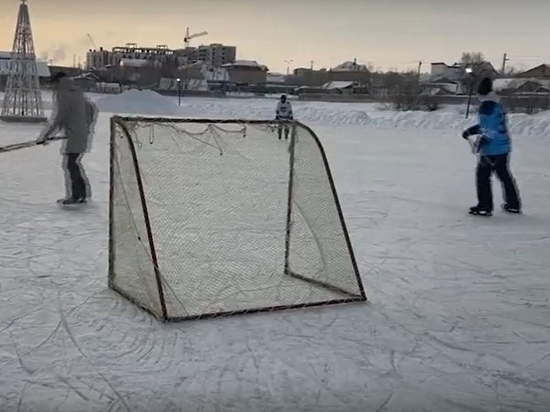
(545, 68)
(514, 83)
(350, 66)
(246, 63)
(86, 76)
(436, 88)
(336, 85)
(452, 66)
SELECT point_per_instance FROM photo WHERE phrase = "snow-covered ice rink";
(458, 317)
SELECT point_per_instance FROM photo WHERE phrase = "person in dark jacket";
(494, 150)
(75, 117)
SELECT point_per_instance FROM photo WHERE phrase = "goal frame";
(121, 122)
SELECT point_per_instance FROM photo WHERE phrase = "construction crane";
(91, 40)
(189, 37)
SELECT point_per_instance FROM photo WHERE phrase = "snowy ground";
(458, 318)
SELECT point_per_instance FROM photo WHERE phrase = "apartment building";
(214, 55)
(131, 51)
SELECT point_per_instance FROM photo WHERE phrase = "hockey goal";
(220, 217)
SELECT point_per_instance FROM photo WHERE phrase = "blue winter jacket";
(493, 127)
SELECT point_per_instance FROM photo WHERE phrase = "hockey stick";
(474, 142)
(30, 143)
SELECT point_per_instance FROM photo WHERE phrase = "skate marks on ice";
(473, 292)
(451, 326)
(483, 310)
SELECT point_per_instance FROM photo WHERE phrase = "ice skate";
(71, 202)
(513, 210)
(480, 211)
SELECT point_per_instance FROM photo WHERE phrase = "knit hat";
(485, 86)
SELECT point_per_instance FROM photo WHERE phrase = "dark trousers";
(283, 127)
(74, 175)
(499, 165)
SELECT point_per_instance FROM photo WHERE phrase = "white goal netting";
(212, 218)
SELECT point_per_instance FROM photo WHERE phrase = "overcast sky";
(386, 33)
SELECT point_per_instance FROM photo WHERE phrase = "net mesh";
(202, 225)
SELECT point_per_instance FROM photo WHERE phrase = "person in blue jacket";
(494, 153)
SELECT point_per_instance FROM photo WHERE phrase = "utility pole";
(418, 77)
(311, 67)
(288, 61)
(504, 60)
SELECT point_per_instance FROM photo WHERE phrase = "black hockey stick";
(30, 143)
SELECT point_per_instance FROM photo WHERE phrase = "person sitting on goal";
(283, 112)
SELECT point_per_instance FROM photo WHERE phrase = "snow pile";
(134, 101)
(264, 109)
(366, 114)
(520, 124)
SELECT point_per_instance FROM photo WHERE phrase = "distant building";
(350, 66)
(349, 71)
(441, 86)
(97, 59)
(541, 71)
(519, 85)
(457, 71)
(442, 70)
(5, 58)
(246, 72)
(214, 55)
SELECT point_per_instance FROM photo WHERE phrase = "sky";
(387, 34)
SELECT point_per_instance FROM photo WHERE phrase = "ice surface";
(458, 319)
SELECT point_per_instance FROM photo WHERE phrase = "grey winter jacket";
(75, 117)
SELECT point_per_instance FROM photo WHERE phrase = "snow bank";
(344, 114)
(450, 118)
(519, 124)
(146, 102)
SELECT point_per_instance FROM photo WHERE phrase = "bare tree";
(512, 71)
(477, 62)
(473, 59)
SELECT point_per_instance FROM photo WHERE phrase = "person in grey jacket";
(75, 116)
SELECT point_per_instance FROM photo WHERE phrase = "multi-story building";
(214, 55)
(103, 58)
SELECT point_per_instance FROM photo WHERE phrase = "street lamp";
(288, 65)
(470, 73)
(179, 91)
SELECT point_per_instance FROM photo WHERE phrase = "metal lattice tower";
(23, 99)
